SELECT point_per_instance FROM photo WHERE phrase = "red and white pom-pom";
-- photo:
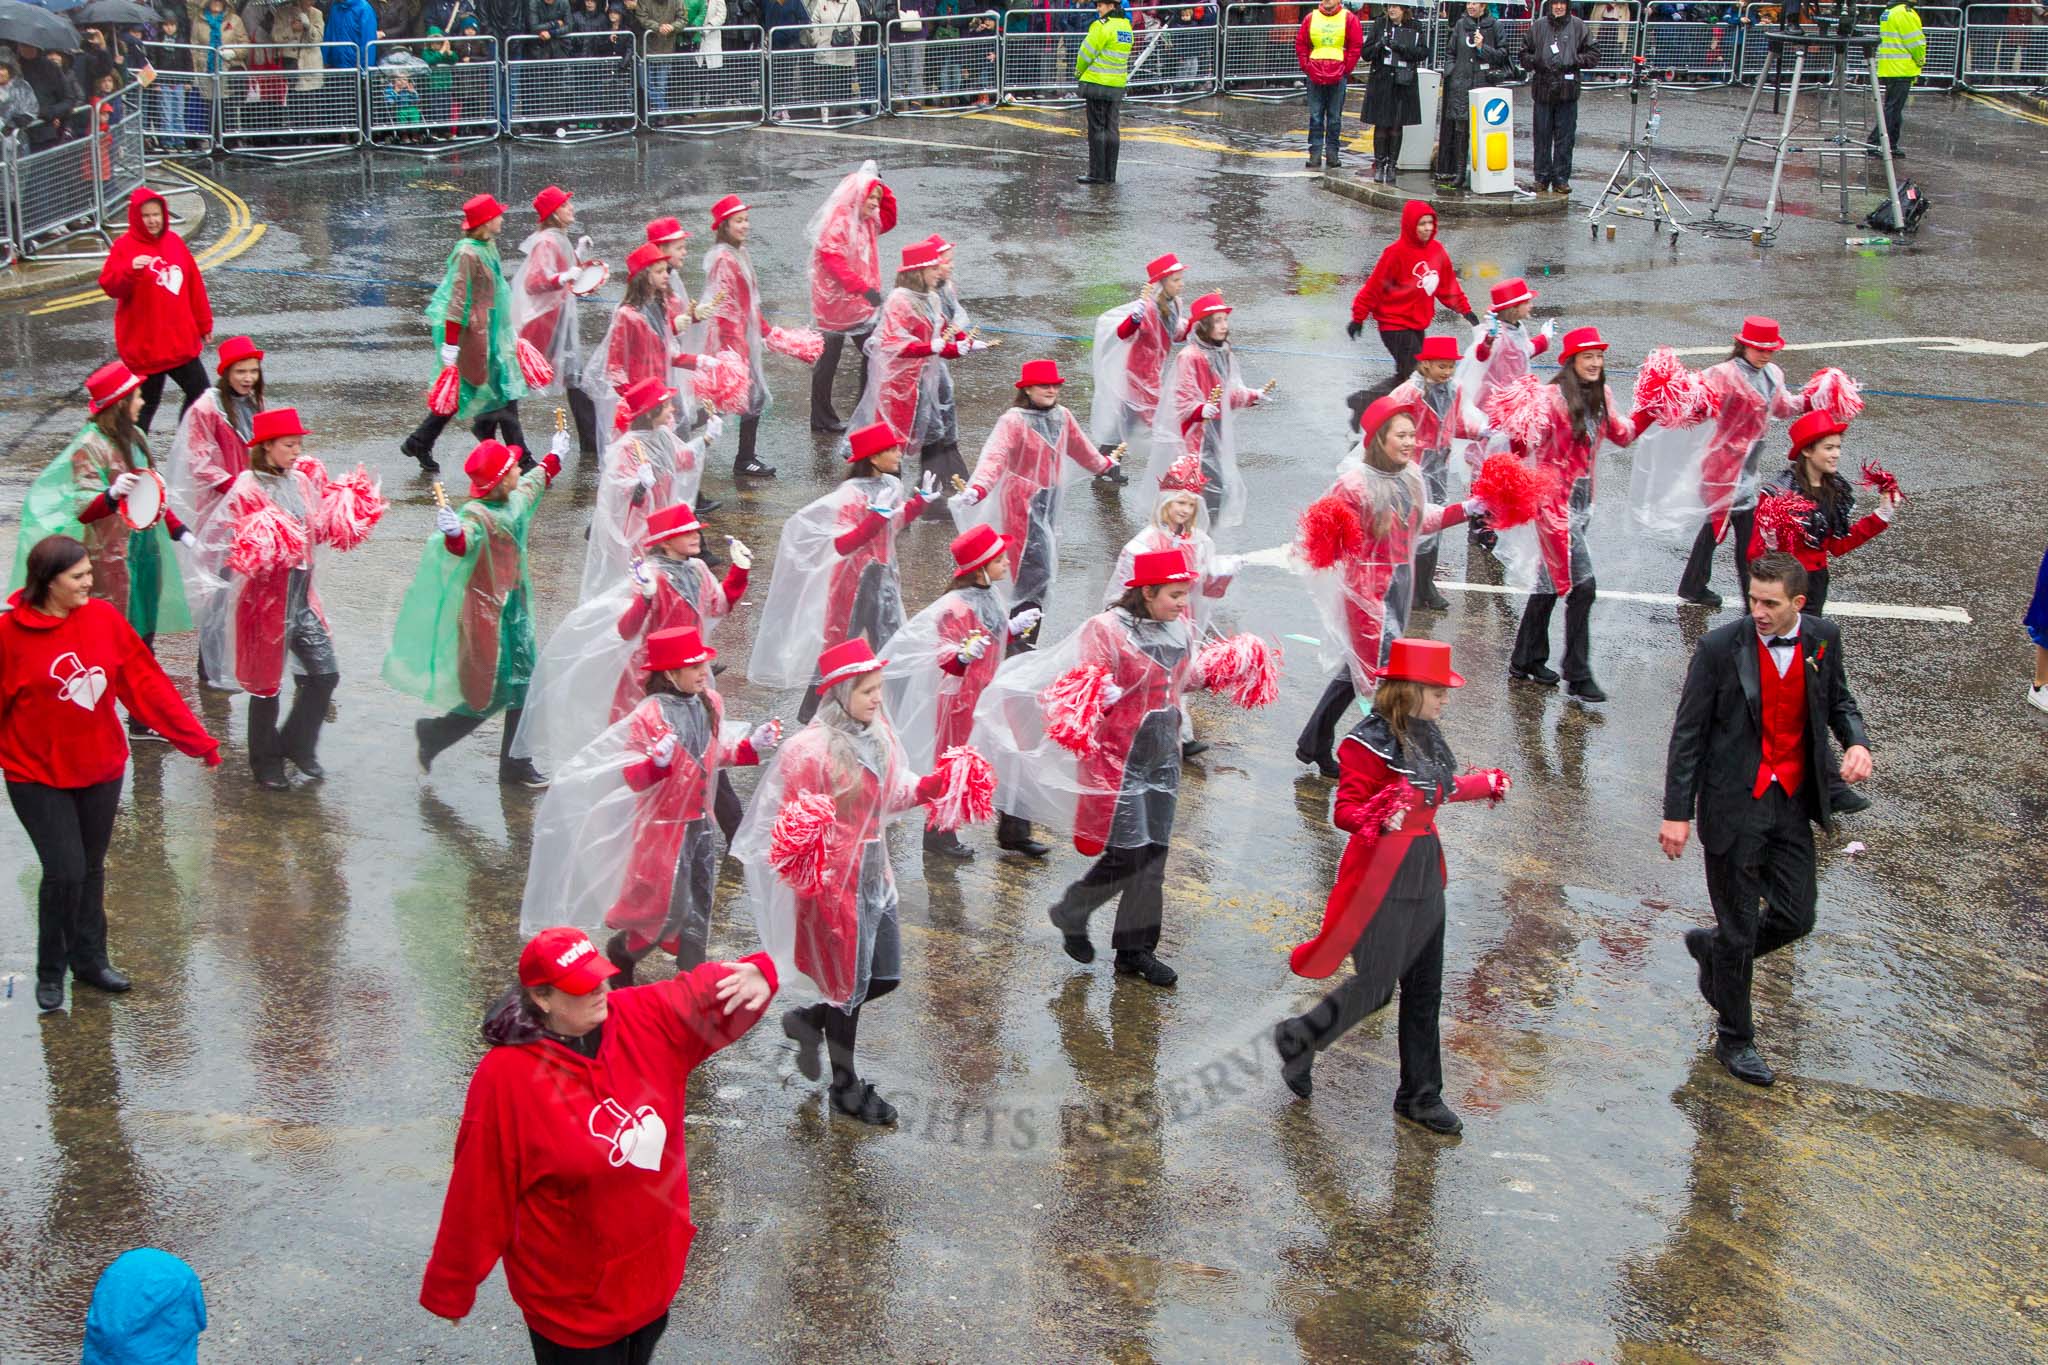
(445, 395)
(970, 794)
(721, 380)
(1886, 483)
(1520, 410)
(1834, 393)
(798, 343)
(1329, 531)
(1185, 476)
(348, 510)
(533, 366)
(267, 541)
(796, 846)
(1781, 520)
(1671, 394)
(1073, 708)
(1245, 668)
(1511, 490)
(1382, 806)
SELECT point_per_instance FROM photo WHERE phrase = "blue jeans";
(1325, 115)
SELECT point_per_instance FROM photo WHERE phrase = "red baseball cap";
(565, 958)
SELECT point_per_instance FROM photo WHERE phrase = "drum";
(144, 505)
(590, 277)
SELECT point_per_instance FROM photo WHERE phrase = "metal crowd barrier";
(1944, 31)
(1691, 52)
(181, 106)
(273, 112)
(1038, 67)
(715, 81)
(1997, 55)
(417, 105)
(1172, 62)
(932, 74)
(814, 79)
(77, 187)
(557, 88)
(1258, 58)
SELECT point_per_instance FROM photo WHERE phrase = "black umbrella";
(119, 13)
(56, 6)
(33, 27)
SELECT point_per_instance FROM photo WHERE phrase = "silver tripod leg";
(1784, 140)
(1748, 118)
(1884, 143)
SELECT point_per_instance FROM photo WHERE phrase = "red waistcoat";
(1784, 718)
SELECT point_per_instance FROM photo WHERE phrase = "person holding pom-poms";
(1825, 528)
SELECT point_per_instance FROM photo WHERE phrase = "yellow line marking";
(2010, 111)
(242, 233)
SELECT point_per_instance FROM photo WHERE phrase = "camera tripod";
(1637, 189)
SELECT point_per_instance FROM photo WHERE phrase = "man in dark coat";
(1475, 55)
(1560, 46)
(1749, 751)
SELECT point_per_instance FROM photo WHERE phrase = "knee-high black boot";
(823, 417)
(301, 737)
(266, 752)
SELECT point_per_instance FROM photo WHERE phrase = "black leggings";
(191, 377)
(637, 1348)
(840, 1028)
(1404, 344)
(70, 828)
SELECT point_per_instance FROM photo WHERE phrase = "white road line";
(2017, 350)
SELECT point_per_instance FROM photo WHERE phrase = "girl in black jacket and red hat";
(1827, 527)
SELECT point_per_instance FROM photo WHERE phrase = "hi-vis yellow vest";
(1326, 35)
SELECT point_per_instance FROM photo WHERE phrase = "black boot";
(584, 413)
(266, 750)
(624, 958)
(301, 736)
(516, 772)
(823, 418)
(1013, 835)
(1314, 743)
(1426, 595)
(946, 843)
(744, 463)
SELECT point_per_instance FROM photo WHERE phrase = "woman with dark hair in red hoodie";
(1412, 276)
(163, 322)
(65, 658)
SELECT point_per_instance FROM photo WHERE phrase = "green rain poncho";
(474, 293)
(131, 569)
(464, 640)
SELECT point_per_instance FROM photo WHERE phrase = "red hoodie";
(161, 314)
(1410, 280)
(59, 679)
(572, 1169)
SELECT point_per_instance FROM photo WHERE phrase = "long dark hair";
(641, 290)
(973, 578)
(226, 391)
(117, 426)
(1584, 402)
(51, 559)
(864, 469)
(1825, 494)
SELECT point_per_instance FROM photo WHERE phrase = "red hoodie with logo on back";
(162, 316)
(1411, 278)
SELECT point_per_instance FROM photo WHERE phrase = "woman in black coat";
(1394, 50)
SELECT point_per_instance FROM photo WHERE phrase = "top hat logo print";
(635, 1137)
(78, 684)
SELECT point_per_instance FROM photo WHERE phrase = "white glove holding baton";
(1025, 620)
(644, 476)
(447, 522)
(559, 446)
(972, 648)
(966, 497)
(665, 752)
(741, 556)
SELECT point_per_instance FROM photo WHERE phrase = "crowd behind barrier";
(68, 175)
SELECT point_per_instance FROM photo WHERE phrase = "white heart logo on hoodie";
(637, 1138)
(1426, 281)
(171, 277)
(78, 684)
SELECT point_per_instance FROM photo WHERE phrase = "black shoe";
(424, 751)
(619, 955)
(1088, 180)
(1315, 163)
(1334, 161)
(753, 469)
(704, 505)
(1585, 689)
(1547, 677)
(1194, 747)
(1745, 1063)
(1433, 601)
(309, 766)
(1324, 764)
(1143, 963)
(1114, 476)
(103, 979)
(1013, 835)
(1434, 1115)
(1699, 942)
(1704, 597)
(1562, 187)
(138, 730)
(797, 1027)
(1848, 802)
(428, 464)
(1297, 1056)
(1075, 937)
(859, 1101)
(49, 995)
(831, 421)
(946, 844)
(520, 772)
(269, 774)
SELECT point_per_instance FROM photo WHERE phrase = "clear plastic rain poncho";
(1130, 372)
(846, 252)
(543, 311)
(210, 449)
(1179, 428)
(930, 691)
(1551, 549)
(840, 934)
(1685, 477)
(1030, 457)
(593, 669)
(1185, 528)
(908, 386)
(618, 523)
(637, 345)
(1448, 431)
(822, 595)
(1122, 793)
(622, 842)
(736, 323)
(1366, 596)
(1509, 358)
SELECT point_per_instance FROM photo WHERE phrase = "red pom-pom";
(534, 366)
(1834, 393)
(1781, 520)
(1329, 531)
(1671, 394)
(446, 393)
(1520, 411)
(1382, 806)
(1073, 708)
(348, 509)
(970, 794)
(1244, 668)
(267, 541)
(721, 380)
(1883, 480)
(798, 343)
(796, 846)
(1511, 490)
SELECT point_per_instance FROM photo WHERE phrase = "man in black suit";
(1749, 750)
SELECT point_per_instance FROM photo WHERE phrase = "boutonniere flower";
(1814, 660)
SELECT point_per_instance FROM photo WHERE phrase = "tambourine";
(144, 505)
(590, 277)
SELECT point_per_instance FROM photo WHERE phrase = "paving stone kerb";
(30, 279)
(1453, 205)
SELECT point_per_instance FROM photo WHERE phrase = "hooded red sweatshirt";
(1410, 280)
(161, 314)
(572, 1169)
(59, 679)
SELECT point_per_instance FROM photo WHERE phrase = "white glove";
(644, 476)
(928, 486)
(1492, 326)
(1111, 694)
(1393, 822)
(449, 350)
(559, 446)
(1549, 331)
(883, 506)
(972, 648)
(742, 557)
(583, 247)
(1226, 566)
(563, 279)
(446, 522)
(974, 344)
(1138, 313)
(714, 426)
(1474, 506)
(1884, 509)
(665, 752)
(966, 497)
(646, 582)
(766, 736)
(1025, 620)
(1211, 411)
(123, 482)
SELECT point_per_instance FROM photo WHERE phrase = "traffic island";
(1356, 183)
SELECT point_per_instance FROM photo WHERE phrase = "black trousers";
(827, 370)
(445, 731)
(1386, 144)
(1453, 140)
(1557, 127)
(842, 1029)
(635, 1349)
(1103, 138)
(1699, 565)
(1896, 89)
(1403, 344)
(1137, 877)
(70, 828)
(1532, 640)
(944, 459)
(1816, 592)
(1421, 986)
(583, 412)
(1763, 891)
(743, 453)
(499, 423)
(191, 377)
(1319, 736)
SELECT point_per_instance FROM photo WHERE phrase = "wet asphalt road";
(1087, 1168)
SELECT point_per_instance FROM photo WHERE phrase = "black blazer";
(1717, 738)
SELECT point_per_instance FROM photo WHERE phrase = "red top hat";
(487, 464)
(480, 210)
(844, 661)
(940, 246)
(106, 385)
(1761, 333)
(548, 200)
(1378, 412)
(871, 440)
(642, 256)
(664, 230)
(726, 208)
(272, 423)
(1039, 372)
(641, 397)
(1439, 348)
(234, 351)
(677, 647)
(1155, 567)
(976, 546)
(1207, 304)
(1184, 475)
(1580, 339)
(1159, 267)
(669, 522)
(1421, 661)
(565, 958)
(1812, 427)
(1508, 293)
(919, 255)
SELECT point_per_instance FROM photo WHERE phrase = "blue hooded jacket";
(147, 1309)
(351, 28)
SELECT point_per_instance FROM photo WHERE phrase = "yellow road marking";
(1165, 137)
(242, 233)
(2011, 111)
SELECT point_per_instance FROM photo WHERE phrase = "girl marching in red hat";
(1386, 911)
(1411, 278)
(739, 324)
(1180, 521)
(1444, 419)
(647, 465)
(1200, 416)
(817, 859)
(835, 566)
(210, 450)
(1034, 450)
(1502, 352)
(1133, 348)
(1826, 527)
(163, 320)
(253, 573)
(623, 837)
(545, 291)
(846, 279)
(641, 348)
(941, 661)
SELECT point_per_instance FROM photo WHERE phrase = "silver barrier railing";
(818, 78)
(1037, 65)
(1444, 27)
(1259, 61)
(118, 144)
(945, 66)
(1943, 29)
(1686, 52)
(716, 81)
(431, 94)
(1997, 55)
(181, 107)
(1172, 61)
(556, 89)
(59, 191)
(274, 112)
(10, 232)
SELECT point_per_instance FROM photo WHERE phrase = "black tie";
(1783, 641)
